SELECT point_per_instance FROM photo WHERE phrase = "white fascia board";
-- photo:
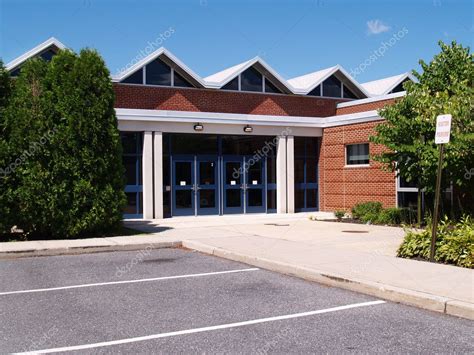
(152, 56)
(371, 99)
(217, 117)
(352, 118)
(275, 74)
(352, 80)
(124, 114)
(34, 51)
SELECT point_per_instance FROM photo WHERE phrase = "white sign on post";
(443, 129)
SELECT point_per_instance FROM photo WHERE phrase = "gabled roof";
(165, 54)
(385, 85)
(306, 83)
(221, 78)
(49, 43)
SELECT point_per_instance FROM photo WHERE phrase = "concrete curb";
(387, 292)
(82, 249)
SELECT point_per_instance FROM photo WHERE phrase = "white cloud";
(374, 27)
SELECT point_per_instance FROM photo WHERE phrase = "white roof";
(227, 74)
(152, 56)
(385, 85)
(51, 42)
(222, 77)
(306, 83)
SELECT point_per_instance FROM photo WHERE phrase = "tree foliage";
(66, 173)
(445, 86)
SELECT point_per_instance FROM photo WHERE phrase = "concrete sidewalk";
(355, 257)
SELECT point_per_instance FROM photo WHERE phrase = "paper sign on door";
(232, 182)
(182, 183)
(254, 182)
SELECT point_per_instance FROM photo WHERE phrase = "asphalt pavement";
(175, 301)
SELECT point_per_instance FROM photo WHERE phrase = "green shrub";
(454, 243)
(72, 184)
(362, 209)
(339, 214)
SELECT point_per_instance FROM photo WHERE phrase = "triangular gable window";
(180, 81)
(348, 94)
(269, 87)
(332, 87)
(135, 78)
(232, 85)
(158, 73)
(316, 91)
(399, 87)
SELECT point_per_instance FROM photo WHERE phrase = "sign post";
(442, 135)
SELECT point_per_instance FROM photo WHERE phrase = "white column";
(281, 174)
(147, 175)
(158, 173)
(290, 174)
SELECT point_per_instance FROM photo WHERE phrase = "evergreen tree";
(62, 122)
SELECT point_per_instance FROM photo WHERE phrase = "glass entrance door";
(254, 185)
(195, 184)
(233, 185)
(183, 187)
(206, 186)
(244, 185)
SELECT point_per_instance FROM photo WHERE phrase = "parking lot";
(175, 300)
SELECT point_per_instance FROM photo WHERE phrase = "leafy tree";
(5, 92)
(445, 86)
(62, 126)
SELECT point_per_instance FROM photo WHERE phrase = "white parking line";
(204, 329)
(127, 281)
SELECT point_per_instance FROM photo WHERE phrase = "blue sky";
(294, 37)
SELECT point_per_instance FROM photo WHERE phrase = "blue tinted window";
(180, 81)
(232, 85)
(47, 55)
(158, 73)
(332, 87)
(316, 91)
(251, 80)
(135, 78)
(269, 87)
(348, 94)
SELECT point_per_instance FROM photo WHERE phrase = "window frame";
(362, 165)
(144, 83)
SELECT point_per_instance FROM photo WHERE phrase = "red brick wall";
(205, 100)
(341, 188)
(364, 107)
